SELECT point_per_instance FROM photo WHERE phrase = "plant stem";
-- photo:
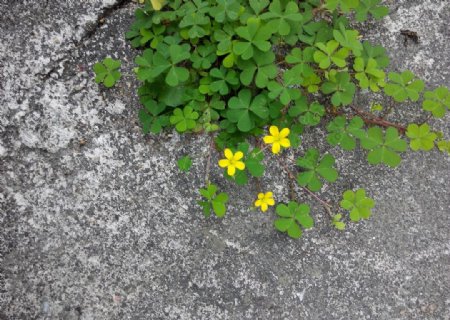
(371, 119)
(322, 202)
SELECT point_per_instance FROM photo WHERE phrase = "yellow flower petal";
(268, 195)
(264, 207)
(239, 165)
(157, 4)
(274, 131)
(284, 133)
(258, 203)
(238, 156)
(228, 154)
(268, 139)
(231, 170)
(276, 147)
(286, 143)
(260, 196)
(270, 202)
(223, 163)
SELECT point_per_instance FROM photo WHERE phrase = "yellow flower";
(278, 139)
(232, 161)
(264, 201)
(157, 4)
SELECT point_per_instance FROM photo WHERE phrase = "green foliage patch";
(239, 70)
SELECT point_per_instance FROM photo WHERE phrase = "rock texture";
(96, 221)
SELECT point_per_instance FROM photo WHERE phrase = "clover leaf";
(196, 23)
(291, 217)
(315, 31)
(403, 86)
(421, 137)
(224, 38)
(281, 16)
(301, 69)
(164, 60)
(345, 135)
(283, 91)
(184, 163)
(141, 22)
(106, 72)
(253, 163)
(153, 35)
(307, 114)
(262, 65)
(358, 204)
(204, 56)
(372, 7)
(337, 223)
(254, 36)
(368, 75)
(375, 52)
(315, 168)
(184, 119)
(258, 5)
(215, 202)
(222, 80)
(383, 149)
(444, 146)
(225, 10)
(328, 54)
(243, 110)
(437, 101)
(342, 88)
(150, 116)
(344, 5)
(348, 39)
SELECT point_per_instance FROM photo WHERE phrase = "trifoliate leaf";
(383, 149)
(315, 168)
(254, 36)
(292, 216)
(420, 137)
(243, 110)
(106, 72)
(184, 163)
(437, 101)
(342, 88)
(345, 135)
(358, 204)
(281, 16)
(348, 39)
(329, 54)
(184, 119)
(403, 86)
(372, 7)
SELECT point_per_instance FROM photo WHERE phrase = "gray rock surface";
(96, 221)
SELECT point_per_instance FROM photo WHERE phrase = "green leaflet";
(107, 72)
(213, 201)
(383, 149)
(437, 101)
(291, 217)
(184, 163)
(358, 204)
(344, 133)
(420, 137)
(315, 167)
(403, 86)
(184, 120)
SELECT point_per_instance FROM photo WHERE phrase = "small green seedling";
(107, 72)
(184, 164)
(214, 201)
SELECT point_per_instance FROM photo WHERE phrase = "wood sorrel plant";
(239, 70)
